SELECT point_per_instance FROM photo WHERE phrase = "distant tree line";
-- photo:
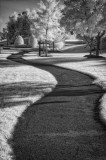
(53, 20)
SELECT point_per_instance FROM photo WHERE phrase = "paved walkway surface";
(96, 68)
(56, 127)
(64, 124)
(93, 67)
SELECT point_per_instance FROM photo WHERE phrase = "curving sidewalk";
(93, 67)
(97, 69)
(63, 127)
(15, 74)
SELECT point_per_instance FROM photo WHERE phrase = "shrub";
(59, 45)
(33, 41)
(19, 41)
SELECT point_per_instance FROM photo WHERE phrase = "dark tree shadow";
(79, 47)
(20, 93)
(76, 49)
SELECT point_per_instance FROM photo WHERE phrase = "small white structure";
(19, 41)
(33, 41)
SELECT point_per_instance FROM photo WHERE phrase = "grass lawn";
(20, 86)
(63, 125)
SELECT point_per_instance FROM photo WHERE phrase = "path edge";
(102, 100)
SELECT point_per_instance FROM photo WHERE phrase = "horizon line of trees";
(52, 20)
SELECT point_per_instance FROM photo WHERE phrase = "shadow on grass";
(79, 48)
(16, 94)
(6, 64)
(76, 49)
(61, 125)
(77, 42)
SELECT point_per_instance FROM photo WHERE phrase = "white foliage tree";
(46, 20)
(87, 19)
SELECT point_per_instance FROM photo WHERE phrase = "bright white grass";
(103, 108)
(13, 51)
(24, 73)
(16, 87)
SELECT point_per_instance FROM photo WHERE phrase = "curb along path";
(65, 123)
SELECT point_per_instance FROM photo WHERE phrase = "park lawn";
(64, 124)
(20, 86)
(49, 122)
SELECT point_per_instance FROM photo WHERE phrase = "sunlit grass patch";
(19, 88)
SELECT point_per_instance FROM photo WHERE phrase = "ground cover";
(20, 86)
(65, 123)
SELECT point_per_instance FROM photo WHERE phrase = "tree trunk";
(89, 43)
(98, 45)
(99, 38)
(91, 47)
(53, 46)
(46, 50)
(90, 50)
(7, 39)
(39, 48)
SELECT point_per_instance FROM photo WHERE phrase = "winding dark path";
(64, 125)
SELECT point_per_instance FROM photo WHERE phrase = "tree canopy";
(51, 20)
(46, 22)
(87, 19)
(19, 24)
